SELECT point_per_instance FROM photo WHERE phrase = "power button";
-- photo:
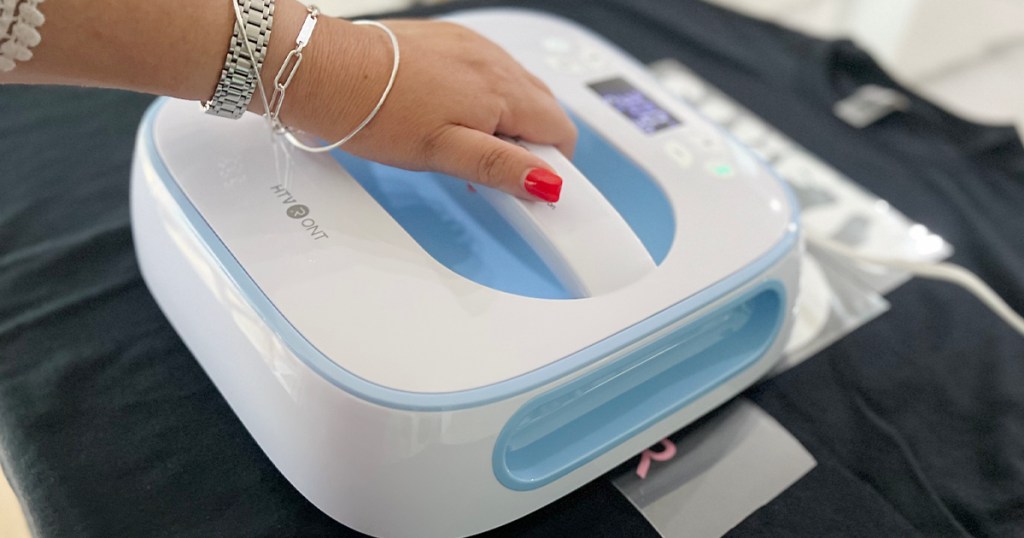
(679, 153)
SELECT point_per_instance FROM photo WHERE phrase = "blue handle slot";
(463, 232)
(561, 430)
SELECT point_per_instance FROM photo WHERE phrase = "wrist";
(344, 69)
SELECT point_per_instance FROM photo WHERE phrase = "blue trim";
(418, 401)
(564, 428)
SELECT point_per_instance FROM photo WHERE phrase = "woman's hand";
(454, 91)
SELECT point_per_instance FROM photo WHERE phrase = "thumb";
(488, 160)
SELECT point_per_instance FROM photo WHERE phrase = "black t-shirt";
(108, 427)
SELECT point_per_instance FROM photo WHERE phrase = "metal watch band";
(238, 77)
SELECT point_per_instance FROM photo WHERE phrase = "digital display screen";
(634, 104)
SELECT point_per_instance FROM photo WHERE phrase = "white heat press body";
(420, 361)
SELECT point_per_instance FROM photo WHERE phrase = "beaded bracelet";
(19, 21)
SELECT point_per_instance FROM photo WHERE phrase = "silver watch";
(238, 77)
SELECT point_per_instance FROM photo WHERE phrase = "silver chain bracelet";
(290, 65)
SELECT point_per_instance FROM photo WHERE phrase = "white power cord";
(937, 271)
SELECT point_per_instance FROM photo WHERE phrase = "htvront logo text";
(298, 212)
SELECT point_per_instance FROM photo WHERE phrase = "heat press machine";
(419, 359)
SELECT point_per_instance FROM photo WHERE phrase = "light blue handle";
(561, 430)
(463, 231)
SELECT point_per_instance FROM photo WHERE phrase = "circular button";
(592, 58)
(557, 44)
(565, 65)
(771, 148)
(748, 130)
(679, 153)
(718, 110)
(705, 141)
(689, 89)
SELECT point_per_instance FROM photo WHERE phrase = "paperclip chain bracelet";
(290, 66)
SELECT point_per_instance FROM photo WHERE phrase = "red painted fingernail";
(543, 184)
